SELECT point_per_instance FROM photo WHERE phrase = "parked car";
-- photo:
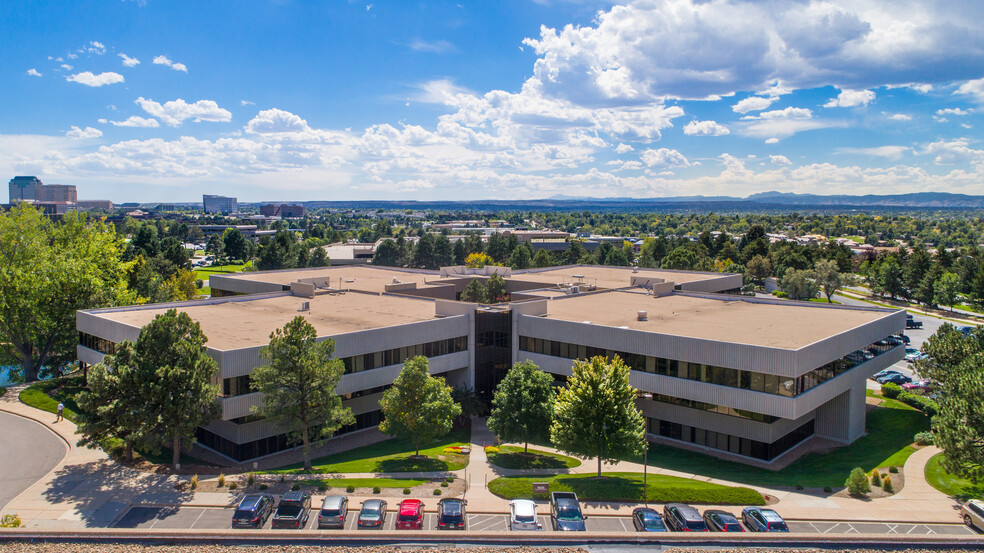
(333, 511)
(965, 330)
(683, 518)
(372, 514)
(912, 323)
(758, 519)
(293, 510)
(912, 355)
(919, 387)
(973, 514)
(451, 514)
(410, 515)
(894, 379)
(721, 521)
(522, 515)
(885, 372)
(648, 520)
(565, 512)
(253, 511)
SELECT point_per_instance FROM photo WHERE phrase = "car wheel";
(968, 521)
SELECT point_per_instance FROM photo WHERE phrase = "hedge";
(924, 404)
(891, 390)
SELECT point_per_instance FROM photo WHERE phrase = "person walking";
(61, 408)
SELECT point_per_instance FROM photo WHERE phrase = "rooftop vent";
(396, 280)
(305, 306)
(641, 315)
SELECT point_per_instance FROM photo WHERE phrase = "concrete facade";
(743, 378)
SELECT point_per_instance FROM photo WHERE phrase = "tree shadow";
(102, 490)
(526, 461)
(411, 464)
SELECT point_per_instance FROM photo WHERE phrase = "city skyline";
(147, 101)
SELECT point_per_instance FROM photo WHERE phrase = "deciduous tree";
(418, 407)
(523, 405)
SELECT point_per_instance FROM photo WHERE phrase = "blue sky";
(288, 100)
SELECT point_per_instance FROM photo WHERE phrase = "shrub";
(323, 486)
(350, 489)
(876, 479)
(857, 483)
(250, 479)
(282, 479)
(406, 491)
(449, 479)
(922, 438)
(887, 485)
(263, 486)
(10, 521)
(491, 449)
(891, 390)
(233, 485)
(295, 487)
(924, 404)
(828, 489)
(893, 470)
(375, 489)
(781, 294)
(194, 482)
(444, 484)
(437, 491)
(221, 480)
(799, 486)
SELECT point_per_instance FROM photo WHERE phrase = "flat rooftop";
(788, 325)
(609, 277)
(248, 321)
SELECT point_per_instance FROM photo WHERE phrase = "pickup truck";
(293, 510)
(565, 512)
(912, 323)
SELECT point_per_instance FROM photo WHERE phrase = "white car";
(912, 355)
(973, 514)
(522, 515)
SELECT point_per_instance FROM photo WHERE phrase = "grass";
(922, 309)
(627, 486)
(3, 391)
(890, 429)
(390, 456)
(366, 482)
(204, 272)
(512, 457)
(823, 300)
(46, 395)
(951, 484)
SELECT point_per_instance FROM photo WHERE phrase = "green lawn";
(627, 486)
(951, 484)
(204, 272)
(390, 456)
(342, 483)
(823, 300)
(46, 394)
(888, 443)
(512, 457)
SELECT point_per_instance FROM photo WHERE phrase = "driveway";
(28, 451)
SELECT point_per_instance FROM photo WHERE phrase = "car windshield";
(330, 512)
(568, 512)
(370, 511)
(406, 517)
(452, 508)
(524, 518)
(652, 523)
(696, 524)
(733, 527)
(288, 510)
(777, 526)
(242, 513)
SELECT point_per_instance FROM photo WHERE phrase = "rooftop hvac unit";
(305, 306)
(642, 315)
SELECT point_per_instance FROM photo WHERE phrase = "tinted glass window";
(330, 512)
(241, 513)
(696, 525)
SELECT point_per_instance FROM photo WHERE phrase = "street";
(28, 451)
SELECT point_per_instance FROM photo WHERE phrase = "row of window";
(492, 338)
(719, 409)
(734, 378)
(96, 343)
(732, 444)
(273, 444)
(395, 356)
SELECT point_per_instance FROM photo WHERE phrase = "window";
(731, 444)
(395, 356)
(101, 345)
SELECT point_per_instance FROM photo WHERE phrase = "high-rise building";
(24, 188)
(57, 193)
(220, 204)
(282, 210)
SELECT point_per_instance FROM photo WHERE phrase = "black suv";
(293, 510)
(683, 518)
(565, 512)
(253, 511)
(451, 514)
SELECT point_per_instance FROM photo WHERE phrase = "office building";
(750, 379)
(220, 204)
(100, 205)
(24, 188)
(57, 193)
(282, 210)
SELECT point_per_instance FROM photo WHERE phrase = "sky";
(289, 100)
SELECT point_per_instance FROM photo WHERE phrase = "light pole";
(645, 452)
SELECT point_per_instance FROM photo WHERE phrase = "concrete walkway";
(88, 490)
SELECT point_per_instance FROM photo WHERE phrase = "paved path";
(28, 451)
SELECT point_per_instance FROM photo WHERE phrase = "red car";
(410, 515)
(919, 386)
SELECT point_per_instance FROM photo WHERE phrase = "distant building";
(89, 205)
(283, 210)
(220, 204)
(24, 188)
(57, 193)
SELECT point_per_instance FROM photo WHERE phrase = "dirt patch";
(898, 483)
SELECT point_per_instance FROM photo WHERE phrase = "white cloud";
(33, 72)
(891, 152)
(246, 103)
(974, 88)
(76, 133)
(900, 117)
(953, 152)
(623, 148)
(96, 48)
(753, 103)
(772, 140)
(136, 121)
(128, 61)
(851, 98)
(783, 123)
(89, 79)
(273, 121)
(166, 61)
(433, 46)
(780, 160)
(175, 112)
(705, 128)
(66, 67)
(103, 120)
(664, 158)
(954, 111)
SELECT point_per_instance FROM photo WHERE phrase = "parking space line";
(197, 519)
(891, 528)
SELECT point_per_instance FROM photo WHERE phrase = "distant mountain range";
(764, 201)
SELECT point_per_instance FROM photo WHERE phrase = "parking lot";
(213, 518)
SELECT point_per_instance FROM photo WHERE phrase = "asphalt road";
(28, 451)
(206, 518)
